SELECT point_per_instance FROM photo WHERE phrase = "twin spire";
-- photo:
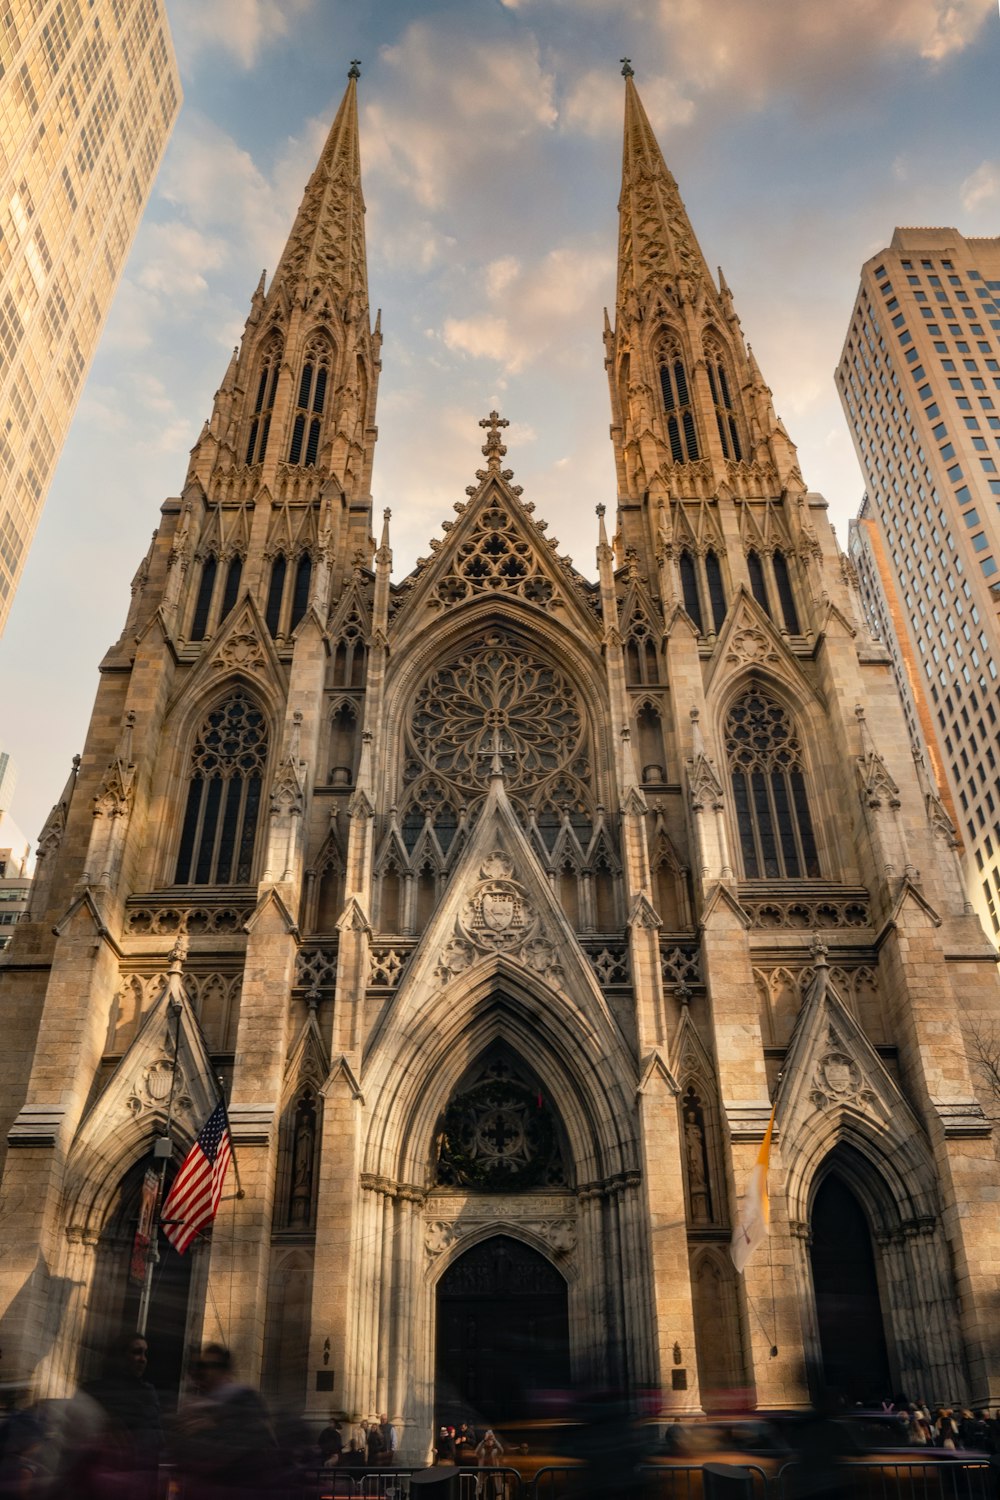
(327, 242)
(655, 239)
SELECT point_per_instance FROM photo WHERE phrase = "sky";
(801, 133)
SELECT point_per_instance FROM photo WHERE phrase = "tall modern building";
(919, 378)
(89, 92)
(505, 900)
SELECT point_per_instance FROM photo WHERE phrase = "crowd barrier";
(868, 1479)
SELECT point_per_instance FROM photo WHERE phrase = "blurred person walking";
(223, 1440)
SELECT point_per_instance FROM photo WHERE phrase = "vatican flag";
(755, 1212)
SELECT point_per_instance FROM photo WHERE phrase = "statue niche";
(500, 1134)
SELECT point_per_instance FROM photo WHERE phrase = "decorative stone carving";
(316, 968)
(839, 1080)
(807, 915)
(163, 921)
(750, 644)
(497, 916)
(611, 966)
(151, 1088)
(680, 965)
(386, 965)
(241, 652)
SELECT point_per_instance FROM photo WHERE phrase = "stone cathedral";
(504, 902)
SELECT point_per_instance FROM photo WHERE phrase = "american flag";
(193, 1201)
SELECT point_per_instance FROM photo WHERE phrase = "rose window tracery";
(499, 696)
(500, 1135)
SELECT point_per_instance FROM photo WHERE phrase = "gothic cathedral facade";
(505, 903)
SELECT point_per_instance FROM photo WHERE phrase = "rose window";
(498, 696)
(500, 1135)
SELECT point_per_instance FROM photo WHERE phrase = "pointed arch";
(311, 398)
(675, 388)
(771, 801)
(722, 386)
(225, 781)
(497, 1002)
(265, 387)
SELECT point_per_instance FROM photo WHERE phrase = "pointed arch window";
(786, 596)
(267, 385)
(722, 399)
(225, 784)
(310, 404)
(203, 603)
(758, 583)
(300, 591)
(689, 588)
(774, 821)
(230, 592)
(681, 429)
(703, 589)
(276, 594)
(716, 590)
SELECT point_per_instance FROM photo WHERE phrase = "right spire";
(655, 241)
(692, 420)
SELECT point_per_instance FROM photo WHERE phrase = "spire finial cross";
(493, 449)
(354, 71)
(627, 69)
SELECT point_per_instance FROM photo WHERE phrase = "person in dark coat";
(134, 1437)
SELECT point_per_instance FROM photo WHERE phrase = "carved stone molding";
(497, 916)
(450, 1218)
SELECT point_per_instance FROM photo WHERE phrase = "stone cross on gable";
(493, 449)
(497, 753)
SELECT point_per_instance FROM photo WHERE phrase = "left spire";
(327, 242)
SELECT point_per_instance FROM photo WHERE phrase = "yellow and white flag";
(755, 1210)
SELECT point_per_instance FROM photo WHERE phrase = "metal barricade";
(490, 1484)
(686, 1481)
(905, 1479)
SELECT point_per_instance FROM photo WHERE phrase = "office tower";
(500, 897)
(89, 93)
(919, 378)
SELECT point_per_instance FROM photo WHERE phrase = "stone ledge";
(36, 1125)
(964, 1120)
(250, 1124)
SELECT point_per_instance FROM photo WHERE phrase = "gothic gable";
(166, 1066)
(834, 1077)
(499, 905)
(241, 647)
(750, 640)
(496, 550)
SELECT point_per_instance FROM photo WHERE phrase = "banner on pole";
(145, 1227)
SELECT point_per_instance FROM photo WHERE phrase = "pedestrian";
(489, 1454)
(388, 1440)
(465, 1445)
(223, 1439)
(331, 1443)
(444, 1451)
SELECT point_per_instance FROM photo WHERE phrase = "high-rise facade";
(500, 897)
(919, 378)
(89, 93)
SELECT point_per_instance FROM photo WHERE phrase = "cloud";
(981, 186)
(534, 308)
(759, 48)
(592, 105)
(244, 28)
(177, 256)
(452, 106)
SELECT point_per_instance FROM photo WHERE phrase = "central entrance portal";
(502, 1334)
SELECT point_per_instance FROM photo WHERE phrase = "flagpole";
(232, 1149)
(163, 1149)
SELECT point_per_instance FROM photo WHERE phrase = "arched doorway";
(502, 1334)
(848, 1307)
(114, 1305)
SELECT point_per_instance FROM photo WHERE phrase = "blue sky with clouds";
(801, 132)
